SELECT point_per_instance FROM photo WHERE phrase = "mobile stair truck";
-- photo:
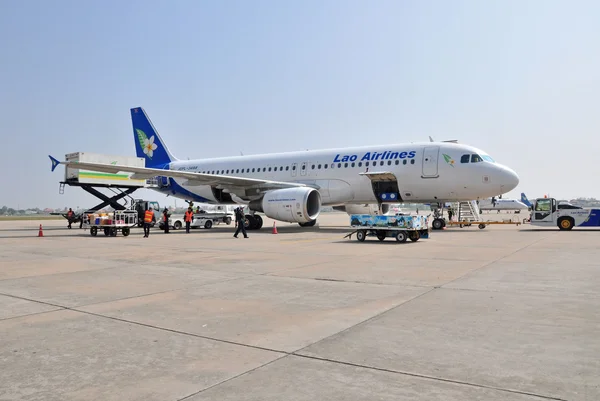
(400, 227)
(546, 212)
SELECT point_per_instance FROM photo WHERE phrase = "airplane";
(501, 204)
(525, 200)
(293, 186)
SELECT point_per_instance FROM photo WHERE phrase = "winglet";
(55, 162)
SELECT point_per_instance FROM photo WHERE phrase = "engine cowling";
(370, 209)
(292, 205)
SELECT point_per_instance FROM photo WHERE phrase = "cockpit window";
(476, 158)
(465, 158)
(488, 159)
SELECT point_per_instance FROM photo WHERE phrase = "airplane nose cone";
(509, 180)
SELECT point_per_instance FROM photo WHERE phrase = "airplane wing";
(193, 178)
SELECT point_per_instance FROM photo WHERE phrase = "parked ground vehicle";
(400, 227)
(201, 220)
(111, 222)
(546, 212)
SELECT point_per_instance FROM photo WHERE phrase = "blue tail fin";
(55, 162)
(148, 144)
(524, 199)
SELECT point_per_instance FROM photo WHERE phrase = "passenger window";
(339, 165)
(476, 158)
(264, 169)
(412, 161)
(319, 167)
(269, 168)
(352, 164)
(253, 169)
(397, 162)
(359, 164)
(381, 163)
(366, 164)
(281, 168)
(345, 165)
(287, 168)
(313, 167)
(404, 162)
(465, 158)
(389, 162)
(325, 165)
(293, 167)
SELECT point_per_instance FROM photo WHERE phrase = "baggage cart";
(111, 222)
(400, 227)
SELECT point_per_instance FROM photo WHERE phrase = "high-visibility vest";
(188, 216)
(148, 216)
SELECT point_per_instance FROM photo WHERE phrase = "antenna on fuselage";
(431, 139)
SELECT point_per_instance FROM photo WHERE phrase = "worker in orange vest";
(148, 219)
(70, 217)
(189, 217)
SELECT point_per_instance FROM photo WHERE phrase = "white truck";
(547, 212)
(201, 220)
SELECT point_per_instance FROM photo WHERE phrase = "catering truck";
(547, 212)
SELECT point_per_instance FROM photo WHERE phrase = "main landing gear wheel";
(253, 222)
(309, 224)
(258, 222)
(438, 224)
(401, 236)
(361, 235)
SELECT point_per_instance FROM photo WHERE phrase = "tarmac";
(504, 313)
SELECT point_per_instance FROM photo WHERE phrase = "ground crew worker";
(239, 221)
(148, 219)
(70, 215)
(450, 214)
(166, 216)
(189, 217)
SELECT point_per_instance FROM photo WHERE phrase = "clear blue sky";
(519, 79)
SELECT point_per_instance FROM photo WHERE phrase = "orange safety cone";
(41, 232)
(274, 228)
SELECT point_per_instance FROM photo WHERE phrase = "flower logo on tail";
(448, 159)
(148, 145)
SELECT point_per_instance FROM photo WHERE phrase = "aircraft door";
(430, 162)
(303, 168)
(294, 169)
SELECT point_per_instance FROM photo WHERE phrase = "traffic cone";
(274, 228)
(41, 232)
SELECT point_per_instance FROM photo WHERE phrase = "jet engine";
(292, 205)
(370, 209)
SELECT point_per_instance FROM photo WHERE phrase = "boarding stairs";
(466, 211)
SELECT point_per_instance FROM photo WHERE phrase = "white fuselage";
(425, 172)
